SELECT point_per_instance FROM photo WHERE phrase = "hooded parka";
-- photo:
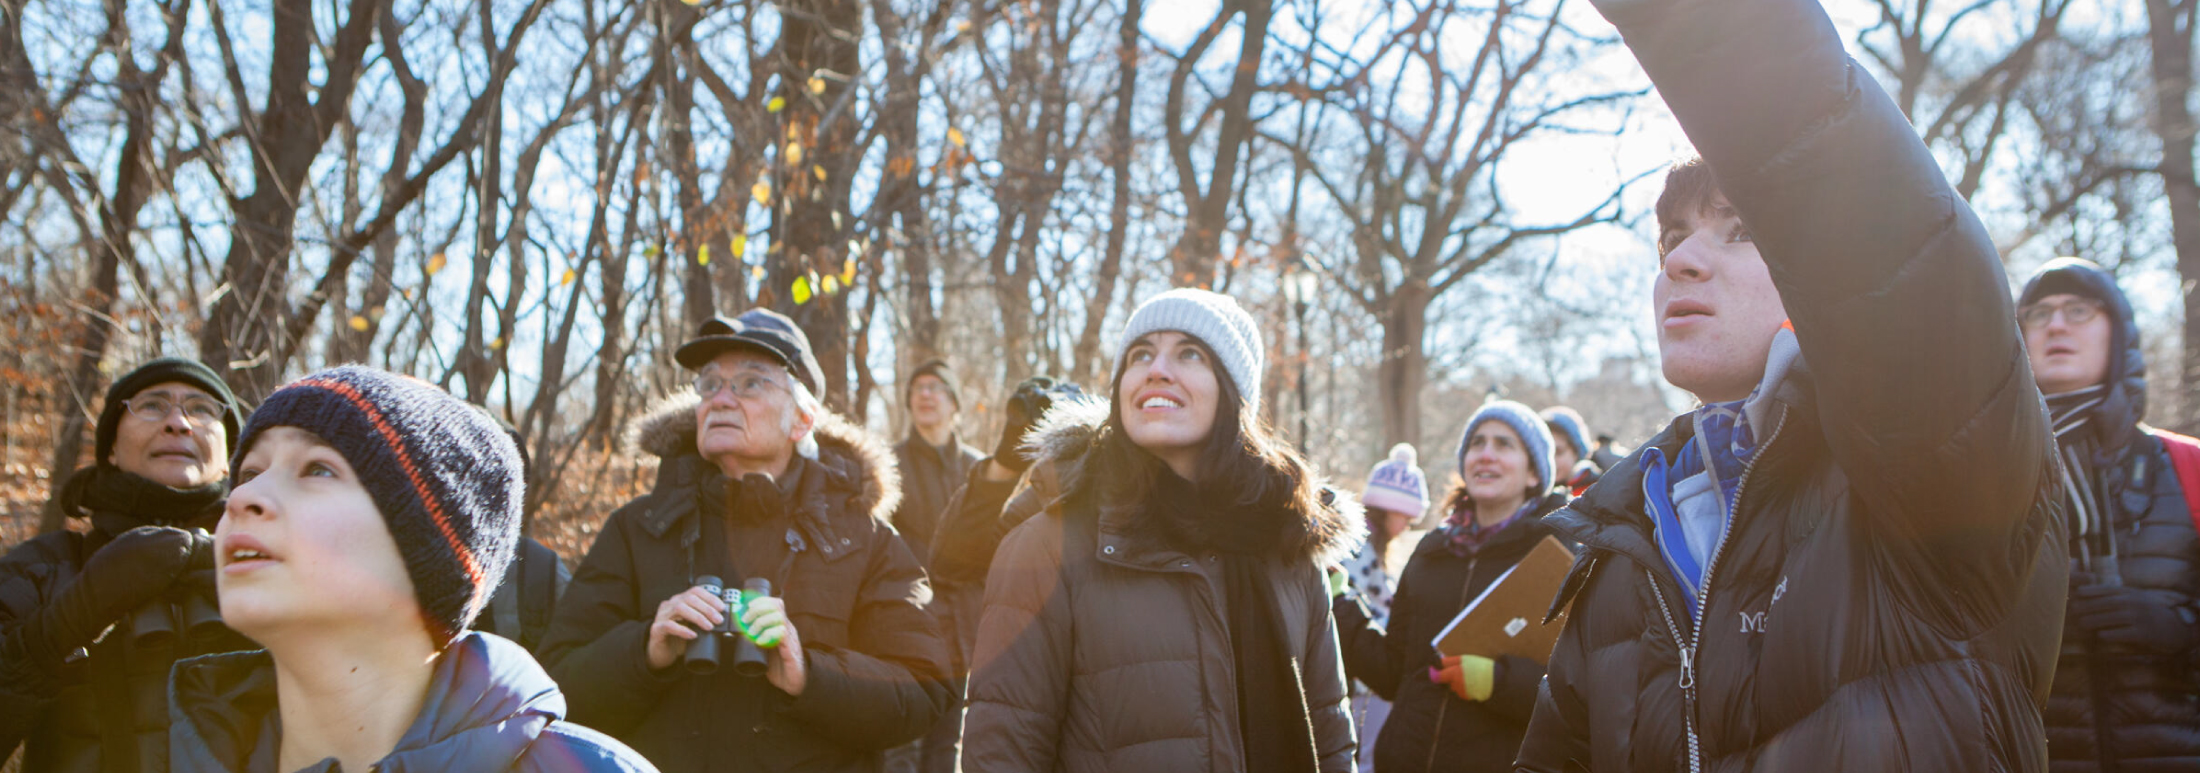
(1888, 595)
(489, 708)
(2151, 699)
(856, 595)
(1102, 648)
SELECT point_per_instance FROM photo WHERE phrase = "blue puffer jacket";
(490, 707)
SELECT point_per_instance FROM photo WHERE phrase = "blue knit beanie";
(444, 477)
(1534, 434)
(1569, 422)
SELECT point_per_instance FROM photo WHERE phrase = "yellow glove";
(1470, 677)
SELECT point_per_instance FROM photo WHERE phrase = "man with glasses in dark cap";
(757, 481)
(91, 621)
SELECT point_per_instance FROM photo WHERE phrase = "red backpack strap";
(2184, 455)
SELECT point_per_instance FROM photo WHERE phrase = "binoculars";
(157, 623)
(703, 653)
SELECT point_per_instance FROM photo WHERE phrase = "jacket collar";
(486, 703)
(852, 465)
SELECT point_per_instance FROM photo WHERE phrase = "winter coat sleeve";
(26, 689)
(970, 530)
(598, 644)
(1513, 689)
(1328, 702)
(1368, 656)
(1872, 252)
(1558, 731)
(890, 686)
(1019, 689)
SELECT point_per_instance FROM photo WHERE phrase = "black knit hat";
(759, 330)
(161, 371)
(445, 478)
(937, 369)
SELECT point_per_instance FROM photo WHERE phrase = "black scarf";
(120, 501)
(1271, 696)
(2071, 414)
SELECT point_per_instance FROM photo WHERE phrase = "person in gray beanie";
(1175, 544)
(373, 516)
(1464, 713)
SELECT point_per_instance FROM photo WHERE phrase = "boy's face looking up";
(1716, 305)
(301, 546)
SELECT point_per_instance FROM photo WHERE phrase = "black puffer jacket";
(929, 479)
(2153, 700)
(115, 698)
(1429, 728)
(1889, 596)
(876, 662)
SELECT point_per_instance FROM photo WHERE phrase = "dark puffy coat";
(1102, 649)
(2154, 699)
(856, 595)
(489, 708)
(114, 698)
(1429, 728)
(1889, 596)
(929, 479)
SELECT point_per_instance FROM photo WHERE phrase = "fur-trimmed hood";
(851, 456)
(1061, 443)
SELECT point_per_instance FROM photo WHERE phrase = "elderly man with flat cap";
(757, 480)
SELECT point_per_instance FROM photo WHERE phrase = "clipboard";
(1507, 619)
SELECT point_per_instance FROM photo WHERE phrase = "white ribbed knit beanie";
(1397, 484)
(1216, 321)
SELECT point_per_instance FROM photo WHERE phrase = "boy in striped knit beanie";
(372, 517)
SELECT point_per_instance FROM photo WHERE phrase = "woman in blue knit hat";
(372, 517)
(1452, 713)
(1162, 608)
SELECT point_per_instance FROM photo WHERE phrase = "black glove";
(2132, 617)
(135, 568)
(1026, 405)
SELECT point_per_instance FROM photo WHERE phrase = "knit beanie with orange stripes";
(444, 476)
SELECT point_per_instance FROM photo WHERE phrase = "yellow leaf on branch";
(848, 271)
(801, 290)
(817, 85)
(832, 284)
(955, 136)
(740, 246)
(359, 323)
(819, 171)
(702, 255)
(568, 277)
(794, 153)
(762, 192)
(775, 105)
(435, 263)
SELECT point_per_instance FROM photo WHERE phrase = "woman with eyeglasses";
(91, 620)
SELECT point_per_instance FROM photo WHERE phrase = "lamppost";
(1299, 286)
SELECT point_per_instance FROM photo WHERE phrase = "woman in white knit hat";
(1163, 609)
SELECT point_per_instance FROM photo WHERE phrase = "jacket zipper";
(1688, 649)
(1435, 739)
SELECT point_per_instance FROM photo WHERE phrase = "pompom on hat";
(1397, 483)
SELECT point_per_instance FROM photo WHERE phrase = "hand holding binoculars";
(703, 654)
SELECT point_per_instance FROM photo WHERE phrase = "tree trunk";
(238, 341)
(1404, 366)
(1087, 359)
(2169, 32)
(134, 183)
(1197, 250)
(810, 217)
